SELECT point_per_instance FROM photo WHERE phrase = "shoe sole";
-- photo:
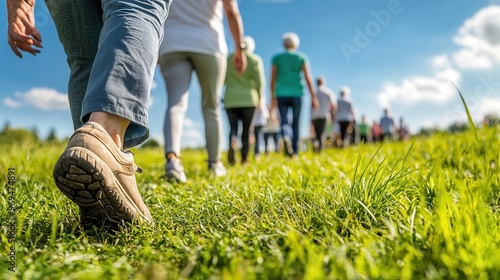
(88, 182)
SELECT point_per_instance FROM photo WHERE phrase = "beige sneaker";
(100, 178)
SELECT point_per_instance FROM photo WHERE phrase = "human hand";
(22, 33)
(315, 103)
(240, 61)
(274, 103)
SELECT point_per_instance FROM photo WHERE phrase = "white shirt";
(325, 98)
(195, 26)
(345, 109)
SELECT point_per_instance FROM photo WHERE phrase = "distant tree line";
(23, 136)
(489, 120)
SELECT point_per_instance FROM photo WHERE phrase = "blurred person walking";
(345, 115)
(287, 89)
(324, 114)
(364, 130)
(376, 132)
(242, 97)
(271, 130)
(387, 126)
(196, 42)
(260, 121)
(403, 131)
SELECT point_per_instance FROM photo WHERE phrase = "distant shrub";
(151, 143)
(21, 136)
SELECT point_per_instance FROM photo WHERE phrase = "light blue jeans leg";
(112, 48)
(80, 47)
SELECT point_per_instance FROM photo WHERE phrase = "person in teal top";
(289, 68)
(242, 95)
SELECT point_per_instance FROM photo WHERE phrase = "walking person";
(287, 88)
(387, 126)
(364, 130)
(242, 96)
(112, 49)
(260, 121)
(271, 131)
(345, 115)
(376, 132)
(403, 131)
(196, 42)
(324, 114)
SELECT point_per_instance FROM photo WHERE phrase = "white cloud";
(487, 105)
(12, 103)
(479, 39)
(418, 89)
(42, 98)
(151, 102)
(440, 62)
(189, 123)
(192, 134)
(479, 49)
(192, 137)
(478, 108)
(472, 60)
(154, 85)
(448, 74)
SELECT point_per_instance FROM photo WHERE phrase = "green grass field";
(429, 208)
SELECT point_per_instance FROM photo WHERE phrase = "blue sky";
(398, 54)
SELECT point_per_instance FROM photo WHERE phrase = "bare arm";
(307, 76)
(333, 110)
(22, 33)
(273, 87)
(236, 28)
(259, 78)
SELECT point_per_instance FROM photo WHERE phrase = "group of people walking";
(193, 45)
(113, 48)
(385, 129)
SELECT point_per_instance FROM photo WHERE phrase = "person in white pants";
(196, 42)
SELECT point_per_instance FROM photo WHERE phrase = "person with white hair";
(345, 114)
(289, 69)
(244, 93)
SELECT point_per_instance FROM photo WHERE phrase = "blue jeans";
(295, 104)
(257, 131)
(112, 50)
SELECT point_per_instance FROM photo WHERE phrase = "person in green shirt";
(289, 69)
(364, 129)
(242, 95)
